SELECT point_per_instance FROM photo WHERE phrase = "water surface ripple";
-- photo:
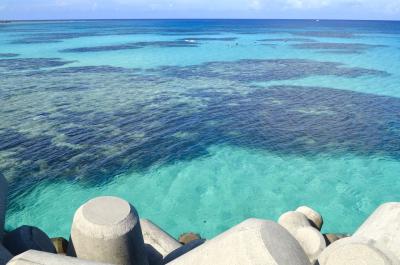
(200, 123)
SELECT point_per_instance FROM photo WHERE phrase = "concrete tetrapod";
(312, 242)
(158, 238)
(313, 216)
(5, 255)
(310, 239)
(34, 257)
(107, 229)
(376, 242)
(158, 243)
(293, 220)
(352, 251)
(27, 237)
(254, 241)
(3, 203)
(183, 250)
(383, 228)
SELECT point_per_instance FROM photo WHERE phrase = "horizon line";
(94, 19)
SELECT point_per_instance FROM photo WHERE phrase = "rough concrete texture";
(27, 237)
(254, 241)
(312, 242)
(33, 257)
(350, 251)
(3, 203)
(293, 220)
(313, 216)
(301, 228)
(383, 228)
(158, 238)
(5, 255)
(377, 241)
(107, 229)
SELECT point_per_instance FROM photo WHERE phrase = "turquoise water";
(200, 123)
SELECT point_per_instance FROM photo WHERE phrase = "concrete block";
(352, 251)
(312, 242)
(5, 255)
(293, 220)
(107, 229)
(158, 238)
(27, 237)
(153, 256)
(313, 216)
(301, 228)
(377, 241)
(254, 241)
(383, 227)
(183, 250)
(33, 257)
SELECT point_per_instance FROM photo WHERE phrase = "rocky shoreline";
(108, 230)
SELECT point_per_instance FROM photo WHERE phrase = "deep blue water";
(200, 123)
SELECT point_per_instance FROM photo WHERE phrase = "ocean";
(200, 124)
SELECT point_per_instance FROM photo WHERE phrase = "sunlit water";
(200, 124)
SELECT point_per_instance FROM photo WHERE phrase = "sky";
(291, 9)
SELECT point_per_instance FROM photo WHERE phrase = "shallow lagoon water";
(200, 124)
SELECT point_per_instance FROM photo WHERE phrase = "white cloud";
(307, 4)
(255, 5)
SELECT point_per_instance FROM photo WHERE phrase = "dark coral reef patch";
(266, 70)
(156, 117)
(133, 45)
(8, 55)
(16, 64)
(332, 47)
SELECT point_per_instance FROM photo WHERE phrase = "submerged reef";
(265, 70)
(325, 34)
(17, 64)
(287, 40)
(337, 47)
(8, 55)
(186, 42)
(143, 112)
(133, 45)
